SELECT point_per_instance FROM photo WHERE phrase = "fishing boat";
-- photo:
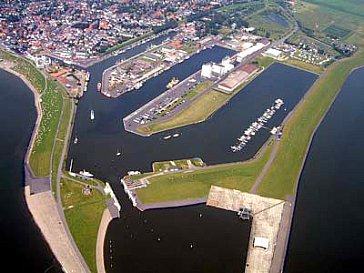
(172, 83)
(86, 174)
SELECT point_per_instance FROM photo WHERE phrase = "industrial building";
(213, 70)
(245, 53)
(273, 53)
(237, 77)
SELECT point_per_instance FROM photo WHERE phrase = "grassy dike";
(82, 212)
(51, 104)
(282, 175)
(197, 183)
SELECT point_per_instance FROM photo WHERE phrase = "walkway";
(42, 206)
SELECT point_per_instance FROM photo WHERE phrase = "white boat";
(176, 135)
(92, 115)
(86, 174)
(75, 141)
(118, 153)
(167, 137)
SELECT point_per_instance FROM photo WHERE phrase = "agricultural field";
(336, 32)
(333, 16)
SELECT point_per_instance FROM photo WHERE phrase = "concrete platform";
(267, 215)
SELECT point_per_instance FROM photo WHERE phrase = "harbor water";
(326, 228)
(160, 240)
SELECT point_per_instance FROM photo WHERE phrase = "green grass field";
(26, 68)
(319, 15)
(197, 183)
(199, 111)
(198, 89)
(52, 103)
(180, 164)
(336, 31)
(83, 214)
(280, 181)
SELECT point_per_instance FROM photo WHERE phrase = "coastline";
(104, 224)
(286, 231)
(36, 100)
(42, 205)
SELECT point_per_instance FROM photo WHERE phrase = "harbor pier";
(267, 218)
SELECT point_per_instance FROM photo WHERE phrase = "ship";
(88, 76)
(167, 137)
(176, 135)
(85, 173)
(173, 82)
(99, 86)
(92, 115)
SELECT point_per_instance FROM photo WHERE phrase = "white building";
(273, 53)
(42, 61)
(245, 53)
(206, 70)
(210, 70)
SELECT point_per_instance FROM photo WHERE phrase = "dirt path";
(259, 179)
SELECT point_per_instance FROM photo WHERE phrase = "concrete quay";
(267, 222)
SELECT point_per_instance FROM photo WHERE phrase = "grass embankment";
(267, 61)
(180, 164)
(26, 68)
(198, 89)
(197, 183)
(60, 140)
(83, 214)
(51, 104)
(281, 178)
(199, 111)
